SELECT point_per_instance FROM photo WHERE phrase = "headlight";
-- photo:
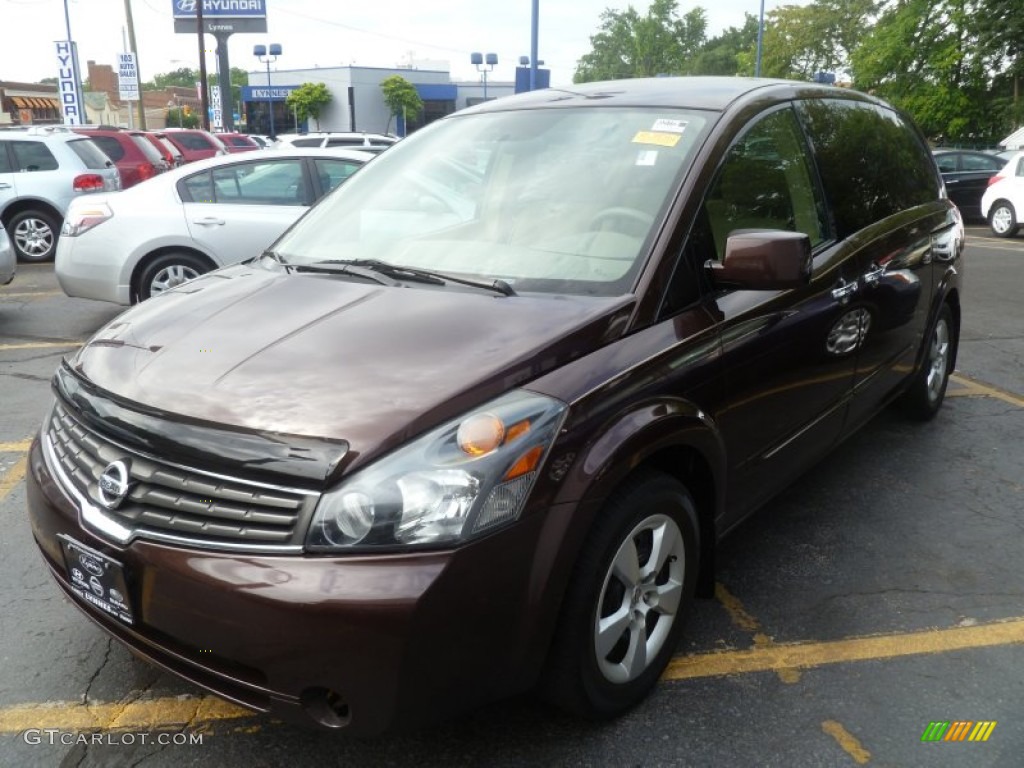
(458, 480)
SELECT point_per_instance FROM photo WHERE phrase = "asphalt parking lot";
(877, 596)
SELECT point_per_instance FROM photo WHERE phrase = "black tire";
(1002, 219)
(168, 271)
(599, 683)
(928, 389)
(34, 235)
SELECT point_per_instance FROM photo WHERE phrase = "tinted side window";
(5, 162)
(110, 146)
(193, 141)
(333, 172)
(766, 182)
(981, 163)
(946, 163)
(90, 154)
(197, 188)
(872, 162)
(33, 156)
(278, 182)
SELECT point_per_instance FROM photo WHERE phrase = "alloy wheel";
(33, 237)
(642, 592)
(171, 276)
(938, 359)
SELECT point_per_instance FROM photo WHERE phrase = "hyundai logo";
(113, 484)
(187, 6)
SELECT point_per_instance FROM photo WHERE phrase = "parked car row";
(43, 167)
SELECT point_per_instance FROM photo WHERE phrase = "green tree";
(183, 77)
(924, 56)
(800, 41)
(308, 101)
(401, 97)
(1001, 35)
(630, 45)
(181, 117)
(729, 53)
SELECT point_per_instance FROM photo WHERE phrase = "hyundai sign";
(221, 9)
(224, 16)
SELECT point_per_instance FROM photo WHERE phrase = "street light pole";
(484, 64)
(760, 42)
(265, 56)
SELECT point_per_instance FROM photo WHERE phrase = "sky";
(328, 33)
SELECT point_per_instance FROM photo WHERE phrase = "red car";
(171, 156)
(238, 142)
(135, 157)
(195, 144)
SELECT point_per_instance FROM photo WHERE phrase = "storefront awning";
(35, 102)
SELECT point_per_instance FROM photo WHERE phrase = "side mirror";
(763, 260)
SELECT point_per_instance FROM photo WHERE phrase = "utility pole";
(131, 42)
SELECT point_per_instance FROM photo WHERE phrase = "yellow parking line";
(10, 479)
(21, 447)
(151, 713)
(849, 743)
(39, 345)
(972, 388)
(23, 294)
(773, 658)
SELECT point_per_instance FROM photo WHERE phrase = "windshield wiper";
(425, 276)
(347, 268)
(275, 256)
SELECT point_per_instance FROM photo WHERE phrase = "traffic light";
(187, 110)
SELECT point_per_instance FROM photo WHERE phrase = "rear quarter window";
(873, 162)
(89, 153)
(193, 141)
(146, 148)
(112, 147)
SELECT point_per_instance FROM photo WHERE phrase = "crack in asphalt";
(26, 376)
(103, 664)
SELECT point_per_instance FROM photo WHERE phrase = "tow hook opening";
(327, 707)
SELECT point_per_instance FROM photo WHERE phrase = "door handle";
(874, 276)
(209, 221)
(844, 290)
(4, 185)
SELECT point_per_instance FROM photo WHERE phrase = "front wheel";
(169, 271)
(926, 393)
(626, 603)
(1002, 220)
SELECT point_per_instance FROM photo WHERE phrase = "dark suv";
(133, 154)
(459, 433)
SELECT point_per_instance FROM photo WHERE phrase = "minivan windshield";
(559, 200)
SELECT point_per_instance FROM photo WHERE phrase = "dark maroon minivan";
(475, 424)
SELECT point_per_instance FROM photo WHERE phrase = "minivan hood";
(321, 356)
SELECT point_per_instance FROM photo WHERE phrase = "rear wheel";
(169, 271)
(627, 600)
(33, 235)
(926, 393)
(1002, 219)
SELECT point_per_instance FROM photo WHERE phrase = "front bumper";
(360, 642)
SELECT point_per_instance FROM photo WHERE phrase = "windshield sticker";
(647, 157)
(659, 139)
(669, 126)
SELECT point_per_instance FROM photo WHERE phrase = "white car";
(1002, 204)
(154, 236)
(366, 142)
(8, 264)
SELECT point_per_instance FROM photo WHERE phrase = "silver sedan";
(128, 246)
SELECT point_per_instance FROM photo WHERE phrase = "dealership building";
(357, 102)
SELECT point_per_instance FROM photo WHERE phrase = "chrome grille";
(166, 501)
